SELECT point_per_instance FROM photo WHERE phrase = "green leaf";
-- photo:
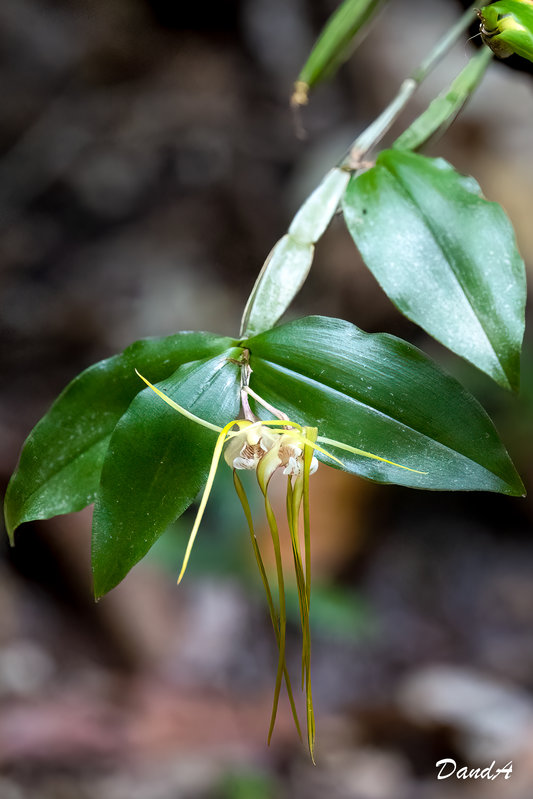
(281, 278)
(442, 111)
(382, 395)
(156, 463)
(445, 256)
(312, 219)
(288, 264)
(61, 460)
(335, 44)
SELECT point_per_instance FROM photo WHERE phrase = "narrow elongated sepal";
(275, 623)
(265, 470)
(205, 496)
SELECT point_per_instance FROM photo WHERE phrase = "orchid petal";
(266, 468)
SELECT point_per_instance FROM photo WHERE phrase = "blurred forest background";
(148, 162)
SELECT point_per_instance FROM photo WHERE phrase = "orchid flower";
(264, 446)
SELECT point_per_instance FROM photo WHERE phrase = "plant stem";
(373, 134)
(442, 111)
(286, 268)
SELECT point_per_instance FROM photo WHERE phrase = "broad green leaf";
(507, 28)
(156, 463)
(61, 460)
(378, 393)
(444, 255)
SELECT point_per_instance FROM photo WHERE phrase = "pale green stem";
(374, 133)
(287, 267)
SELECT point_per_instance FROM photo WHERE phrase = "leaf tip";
(518, 489)
(98, 591)
(103, 582)
(11, 525)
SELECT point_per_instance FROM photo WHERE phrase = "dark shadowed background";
(148, 162)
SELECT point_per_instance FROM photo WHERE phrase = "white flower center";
(245, 450)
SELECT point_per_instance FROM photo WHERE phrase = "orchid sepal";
(266, 446)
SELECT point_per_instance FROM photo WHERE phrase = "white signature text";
(448, 767)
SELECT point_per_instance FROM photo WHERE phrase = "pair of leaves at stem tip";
(445, 256)
(107, 440)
